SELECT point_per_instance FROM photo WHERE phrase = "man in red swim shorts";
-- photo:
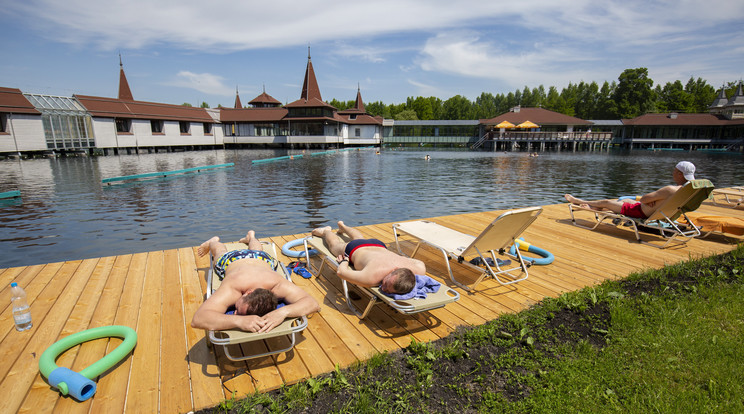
(373, 264)
(683, 172)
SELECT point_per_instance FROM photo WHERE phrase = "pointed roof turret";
(310, 88)
(359, 104)
(738, 98)
(720, 100)
(125, 93)
(264, 101)
(237, 105)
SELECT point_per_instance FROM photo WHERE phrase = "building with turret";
(308, 121)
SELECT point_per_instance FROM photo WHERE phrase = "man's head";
(257, 302)
(400, 280)
(686, 169)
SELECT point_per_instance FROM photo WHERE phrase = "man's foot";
(248, 237)
(204, 247)
(320, 231)
(573, 200)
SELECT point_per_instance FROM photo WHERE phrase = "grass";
(668, 340)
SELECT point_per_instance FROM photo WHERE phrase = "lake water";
(66, 213)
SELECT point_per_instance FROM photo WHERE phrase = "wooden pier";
(173, 370)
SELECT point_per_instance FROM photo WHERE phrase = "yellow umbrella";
(505, 124)
(528, 124)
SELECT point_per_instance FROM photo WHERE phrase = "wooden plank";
(144, 378)
(205, 375)
(175, 393)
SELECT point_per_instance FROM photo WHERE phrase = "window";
(123, 126)
(156, 126)
(357, 132)
(184, 126)
(207, 128)
(352, 117)
(3, 123)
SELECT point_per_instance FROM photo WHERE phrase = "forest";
(633, 94)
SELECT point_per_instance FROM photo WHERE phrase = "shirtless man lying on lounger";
(374, 265)
(684, 171)
(250, 284)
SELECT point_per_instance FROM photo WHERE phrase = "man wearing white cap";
(683, 172)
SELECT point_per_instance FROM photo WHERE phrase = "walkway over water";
(173, 370)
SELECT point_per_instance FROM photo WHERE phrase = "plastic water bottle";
(21, 311)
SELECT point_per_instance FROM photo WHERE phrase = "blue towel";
(424, 285)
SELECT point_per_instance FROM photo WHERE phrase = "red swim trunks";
(632, 210)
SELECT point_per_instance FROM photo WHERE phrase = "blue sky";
(177, 51)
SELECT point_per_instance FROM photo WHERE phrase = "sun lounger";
(373, 295)
(496, 237)
(663, 221)
(733, 197)
(226, 338)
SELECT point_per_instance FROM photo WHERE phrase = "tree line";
(633, 94)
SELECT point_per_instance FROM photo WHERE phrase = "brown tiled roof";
(252, 114)
(539, 116)
(362, 119)
(311, 103)
(117, 108)
(264, 98)
(238, 104)
(12, 100)
(682, 120)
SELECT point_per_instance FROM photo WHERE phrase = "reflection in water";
(66, 213)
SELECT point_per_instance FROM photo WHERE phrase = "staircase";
(480, 142)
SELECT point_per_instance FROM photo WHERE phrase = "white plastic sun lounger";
(226, 338)
(496, 237)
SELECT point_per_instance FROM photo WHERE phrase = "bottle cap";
(14, 284)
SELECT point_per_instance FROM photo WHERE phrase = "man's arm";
(365, 277)
(211, 314)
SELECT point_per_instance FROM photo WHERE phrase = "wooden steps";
(173, 370)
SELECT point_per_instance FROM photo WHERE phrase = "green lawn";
(667, 341)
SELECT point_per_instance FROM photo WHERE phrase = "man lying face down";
(250, 284)
(374, 265)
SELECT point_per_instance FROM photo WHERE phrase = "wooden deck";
(173, 370)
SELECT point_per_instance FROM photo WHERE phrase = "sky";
(186, 51)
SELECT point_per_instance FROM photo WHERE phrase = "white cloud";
(202, 82)
(424, 89)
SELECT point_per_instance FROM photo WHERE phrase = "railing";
(549, 136)
(480, 141)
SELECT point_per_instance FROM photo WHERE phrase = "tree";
(634, 95)
(701, 94)
(606, 108)
(406, 115)
(186, 104)
(458, 107)
(204, 105)
(376, 109)
(422, 106)
(673, 98)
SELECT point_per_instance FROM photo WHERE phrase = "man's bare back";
(372, 264)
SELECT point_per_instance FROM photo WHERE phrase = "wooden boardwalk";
(173, 370)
